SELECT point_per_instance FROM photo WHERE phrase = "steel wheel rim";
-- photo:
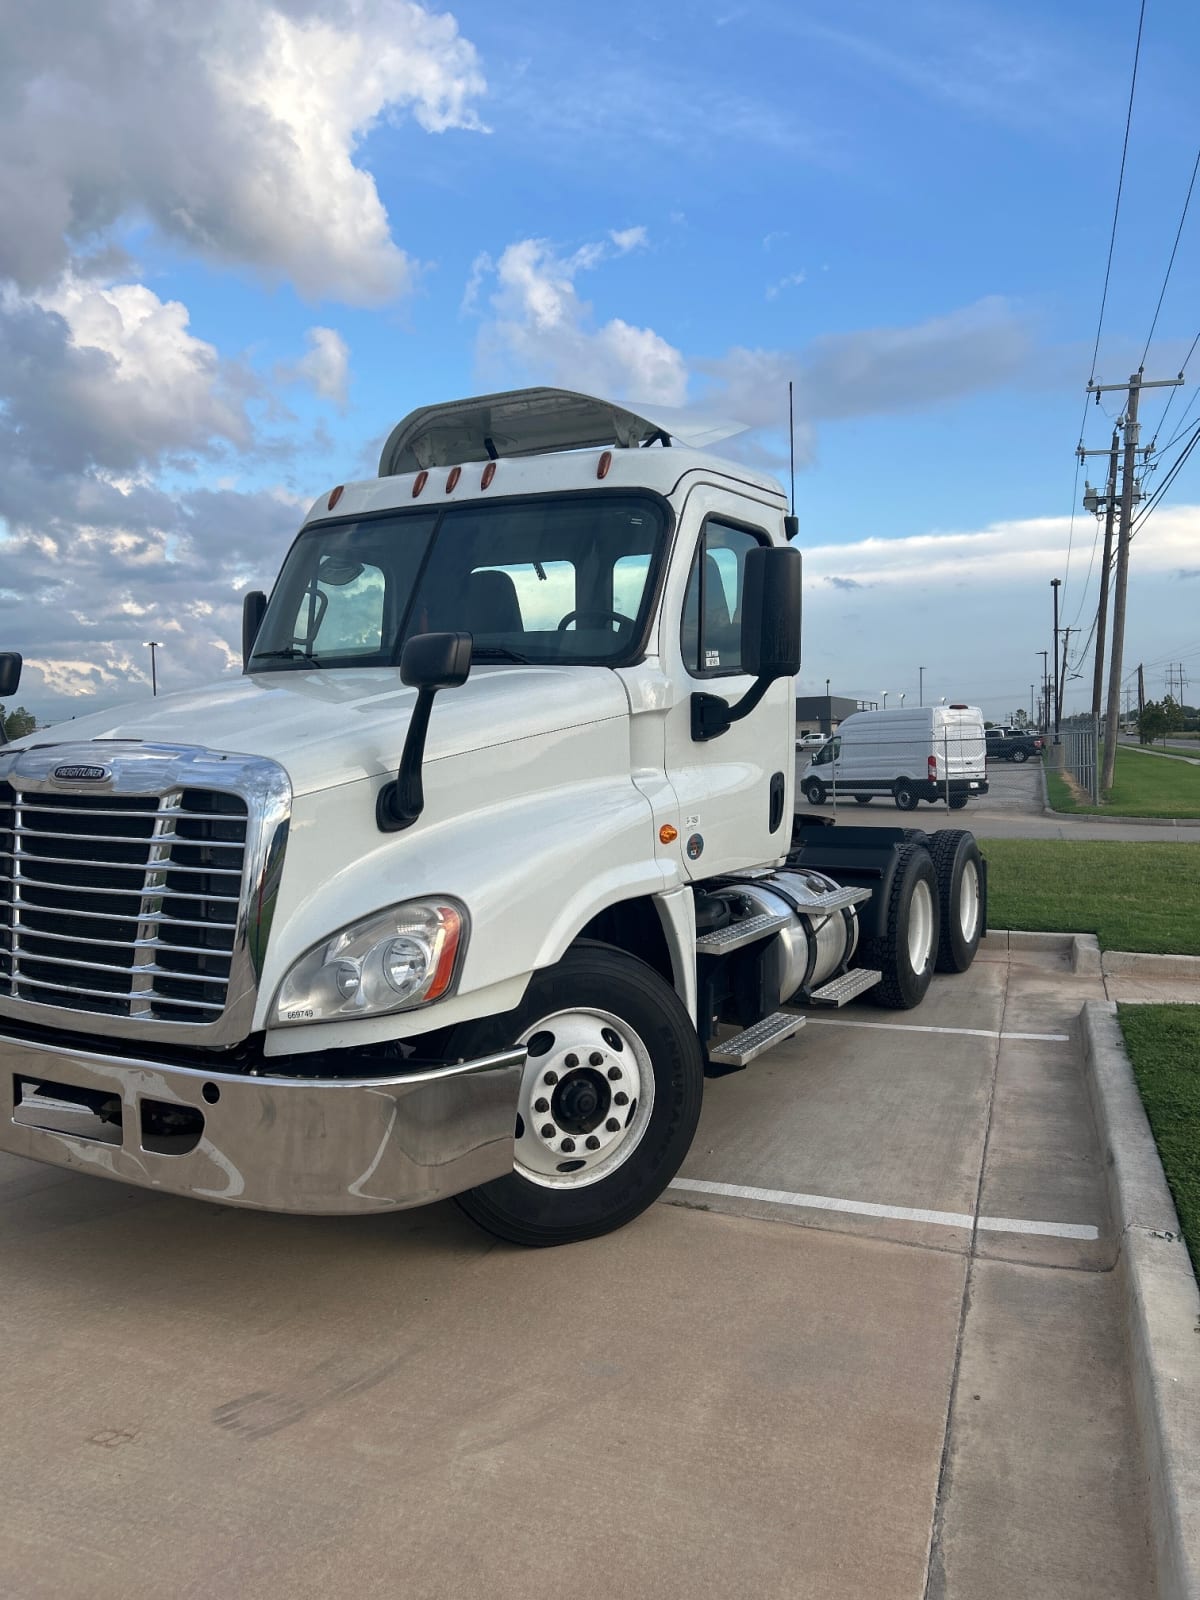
(561, 1079)
(968, 901)
(920, 927)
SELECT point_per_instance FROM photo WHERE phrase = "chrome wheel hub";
(585, 1100)
(968, 901)
(920, 928)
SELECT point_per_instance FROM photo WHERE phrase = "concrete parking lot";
(868, 1346)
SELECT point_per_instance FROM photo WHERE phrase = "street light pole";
(921, 687)
(153, 645)
(1045, 717)
(885, 695)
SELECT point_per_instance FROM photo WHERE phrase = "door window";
(710, 634)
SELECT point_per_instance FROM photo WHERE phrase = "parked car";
(907, 755)
(1009, 744)
(810, 741)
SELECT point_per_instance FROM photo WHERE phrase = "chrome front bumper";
(324, 1146)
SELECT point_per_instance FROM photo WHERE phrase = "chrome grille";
(121, 905)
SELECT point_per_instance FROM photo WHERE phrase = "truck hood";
(327, 728)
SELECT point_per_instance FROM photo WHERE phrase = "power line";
(1172, 474)
(1137, 50)
(1187, 200)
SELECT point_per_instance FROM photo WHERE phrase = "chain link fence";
(1080, 752)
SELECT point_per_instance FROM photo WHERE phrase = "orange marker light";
(419, 482)
(489, 472)
(452, 480)
(335, 495)
(667, 834)
(603, 464)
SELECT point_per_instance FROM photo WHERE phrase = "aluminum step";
(724, 941)
(839, 991)
(834, 900)
(741, 1048)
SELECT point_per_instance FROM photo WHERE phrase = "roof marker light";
(419, 482)
(452, 480)
(335, 495)
(603, 464)
(489, 472)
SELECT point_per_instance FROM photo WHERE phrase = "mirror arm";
(402, 801)
(712, 716)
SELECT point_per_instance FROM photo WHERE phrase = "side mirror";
(771, 603)
(253, 606)
(430, 661)
(10, 674)
(771, 588)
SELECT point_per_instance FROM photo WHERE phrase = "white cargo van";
(909, 754)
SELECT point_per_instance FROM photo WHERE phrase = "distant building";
(822, 713)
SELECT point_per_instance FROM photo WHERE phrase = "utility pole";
(921, 687)
(1044, 719)
(1110, 517)
(1054, 584)
(1141, 689)
(1128, 496)
(1031, 702)
(153, 645)
(1062, 682)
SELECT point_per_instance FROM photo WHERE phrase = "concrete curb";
(1161, 1305)
(1125, 822)
(1086, 957)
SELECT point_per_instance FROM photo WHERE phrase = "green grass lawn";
(1164, 1046)
(1133, 896)
(1144, 786)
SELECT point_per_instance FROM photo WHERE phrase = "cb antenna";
(792, 446)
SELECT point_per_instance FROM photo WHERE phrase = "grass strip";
(1144, 786)
(1164, 1046)
(1132, 896)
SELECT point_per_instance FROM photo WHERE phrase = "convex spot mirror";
(436, 660)
(10, 674)
(771, 610)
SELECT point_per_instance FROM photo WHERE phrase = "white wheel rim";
(920, 927)
(594, 1085)
(968, 901)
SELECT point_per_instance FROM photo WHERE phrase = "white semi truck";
(485, 861)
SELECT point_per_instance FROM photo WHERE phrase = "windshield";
(551, 579)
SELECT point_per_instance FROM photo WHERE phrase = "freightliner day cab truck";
(485, 861)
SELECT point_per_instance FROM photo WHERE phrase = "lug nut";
(551, 1078)
(614, 1073)
(620, 1098)
(541, 1106)
(571, 1060)
(592, 1142)
(596, 1059)
(567, 1146)
(612, 1125)
(547, 1131)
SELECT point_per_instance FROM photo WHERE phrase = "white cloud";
(326, 367)
(541, 326)
(627, 239)
(790, 280)
(232, 127)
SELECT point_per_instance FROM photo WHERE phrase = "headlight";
(393, 961)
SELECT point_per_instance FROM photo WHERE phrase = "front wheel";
(1020, 755)
(906, 796)
(608, 1104)
(814, 791)
(907, 950)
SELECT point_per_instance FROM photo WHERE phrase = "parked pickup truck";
(1007, 744)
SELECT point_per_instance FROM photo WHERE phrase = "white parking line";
(866, 1208)
(919, 1027)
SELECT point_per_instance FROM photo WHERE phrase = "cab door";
(734, 791)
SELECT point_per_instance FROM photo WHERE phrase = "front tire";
(1020, 755)
(908, 949)
(609, 1099)
(959, 869)
(906, 796)
(814, 791)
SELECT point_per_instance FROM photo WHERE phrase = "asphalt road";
(869, 1348)
(1013, 808)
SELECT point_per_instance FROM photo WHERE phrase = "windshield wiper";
(497, 652)
(292, 653)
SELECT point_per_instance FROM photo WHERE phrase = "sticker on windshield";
(712, 658)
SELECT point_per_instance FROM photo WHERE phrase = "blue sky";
(359, 206)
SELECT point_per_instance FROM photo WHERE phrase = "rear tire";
(958, 801)
(604, 1026)
(905, 795)
(814, 791)
(959, 868)
(908, 950)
